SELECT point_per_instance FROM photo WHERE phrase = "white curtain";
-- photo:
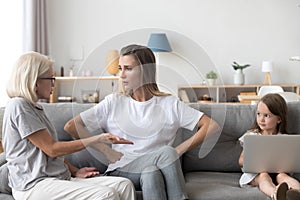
(35, 35)
(11, 13)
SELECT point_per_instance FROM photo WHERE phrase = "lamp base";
(268, 78)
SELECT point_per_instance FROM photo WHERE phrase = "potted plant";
(239, 77)
(211, 77)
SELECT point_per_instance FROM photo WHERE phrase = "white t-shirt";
(150, 124)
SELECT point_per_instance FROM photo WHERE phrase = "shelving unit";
(59, 80)
(223, 93)
(86, 78)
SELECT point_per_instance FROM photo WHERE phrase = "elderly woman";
(35, 159)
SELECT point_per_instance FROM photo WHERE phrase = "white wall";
(209, 34)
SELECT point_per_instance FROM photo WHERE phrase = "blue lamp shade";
(158, 42)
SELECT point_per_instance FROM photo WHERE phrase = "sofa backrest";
(234, 120)
(59, 114)
(222, 151)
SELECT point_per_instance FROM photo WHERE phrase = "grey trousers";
(158, 174)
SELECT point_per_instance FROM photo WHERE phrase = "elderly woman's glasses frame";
(52, 79)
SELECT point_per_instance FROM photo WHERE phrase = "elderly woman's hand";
(109, 138)
(86, 172)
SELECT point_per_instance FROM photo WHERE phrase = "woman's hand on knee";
(86, 172)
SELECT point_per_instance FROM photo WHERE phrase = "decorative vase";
(239, 77)
(211, 82)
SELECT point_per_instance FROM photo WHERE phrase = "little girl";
(271, 119)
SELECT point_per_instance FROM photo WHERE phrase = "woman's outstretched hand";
(109, 138)
(101, 143)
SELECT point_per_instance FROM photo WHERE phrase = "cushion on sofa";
(218, 185)
(60, 113)
(4, 188)
(226, 148)
(234, 120)
(6, 196)
(293, 119)
(88, 158)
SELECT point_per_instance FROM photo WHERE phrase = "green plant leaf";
(211, 75)
(237, 66)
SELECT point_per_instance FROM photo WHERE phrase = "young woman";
(150, 118)
(37, 168)
(271, 119)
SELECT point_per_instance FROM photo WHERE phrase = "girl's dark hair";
(277, 106)
(145, 57)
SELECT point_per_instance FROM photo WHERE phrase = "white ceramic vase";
(211, 82)
(239, 77)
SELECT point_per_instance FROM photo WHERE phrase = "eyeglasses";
(52, 79)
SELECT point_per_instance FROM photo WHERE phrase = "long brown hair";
(277, 106)
(145, 57)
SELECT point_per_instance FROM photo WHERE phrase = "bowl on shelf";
(90, 96)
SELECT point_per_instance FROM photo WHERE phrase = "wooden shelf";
(223, 93)
(59, 79)
(72, 78)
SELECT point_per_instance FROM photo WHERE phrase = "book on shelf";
(247, 97)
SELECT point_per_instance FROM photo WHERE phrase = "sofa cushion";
(224, 149)
(6, 197)
(235, 120)
(88, 158)
(4, 188)
(60, 113)
(293, 119)
(219, 186)
(213, 161)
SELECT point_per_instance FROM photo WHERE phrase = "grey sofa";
(213, 176)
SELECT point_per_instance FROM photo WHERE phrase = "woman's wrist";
(73, 170)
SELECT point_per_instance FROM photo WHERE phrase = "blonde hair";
(145, 57)
(28, 68)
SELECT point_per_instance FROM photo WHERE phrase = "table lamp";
(267, 67)
(112, 64)
(158, 42)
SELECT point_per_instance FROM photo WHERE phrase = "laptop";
(271, 153)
